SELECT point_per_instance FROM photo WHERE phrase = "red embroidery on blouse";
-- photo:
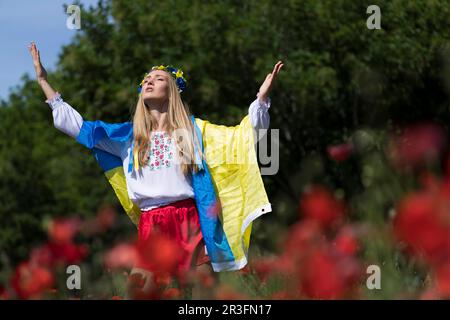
(160, 155)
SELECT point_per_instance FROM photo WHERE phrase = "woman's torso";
(162, 180)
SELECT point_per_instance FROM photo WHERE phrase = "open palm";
(269, 81)
(41, 74)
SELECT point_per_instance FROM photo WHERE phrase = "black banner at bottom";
(220, 309)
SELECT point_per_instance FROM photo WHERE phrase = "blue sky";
(23, 21)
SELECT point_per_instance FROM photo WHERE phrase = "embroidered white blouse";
(162, 181)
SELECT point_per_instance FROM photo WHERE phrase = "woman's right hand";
(41, 74)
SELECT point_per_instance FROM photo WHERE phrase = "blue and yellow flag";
(229, 191)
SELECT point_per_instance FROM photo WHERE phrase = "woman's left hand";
(268, 82)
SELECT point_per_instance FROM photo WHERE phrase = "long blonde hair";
(178, 117)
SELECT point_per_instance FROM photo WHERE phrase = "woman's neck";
(159, 113)
(160, 118)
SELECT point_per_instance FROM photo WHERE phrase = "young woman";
(184, 177)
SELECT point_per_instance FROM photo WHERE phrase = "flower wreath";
(175, 72)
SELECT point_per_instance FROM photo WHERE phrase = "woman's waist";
(180, 203)
(149, 198)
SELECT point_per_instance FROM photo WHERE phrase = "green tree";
(339, 78)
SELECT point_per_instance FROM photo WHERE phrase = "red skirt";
(178, 221)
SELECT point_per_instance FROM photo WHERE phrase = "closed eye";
(162, 79)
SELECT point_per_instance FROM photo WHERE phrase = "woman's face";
(155, 89)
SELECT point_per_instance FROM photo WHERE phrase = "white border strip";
(237, 265)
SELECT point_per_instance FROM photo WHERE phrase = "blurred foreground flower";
(30, 281)
(327, 275)
(160, 254)
(319, 253)
(35, 277)
(63, 230)
(123, 255)
(318, 204)
(103, 221)
(422, 223)
(340, 152)
(52, 254)
(418, 144)
(158, 258)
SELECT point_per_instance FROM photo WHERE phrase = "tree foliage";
(339, 78)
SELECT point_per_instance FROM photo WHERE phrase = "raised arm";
(65, 117)
(41, 73)
(265, 88)
(259, 109)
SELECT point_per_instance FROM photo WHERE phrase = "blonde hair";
(178, 117)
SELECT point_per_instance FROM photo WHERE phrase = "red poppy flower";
(42, 256)
(264, 268)
(123, 255)
(417, 144)
(171, 293)
(63, 230)
(159, 253)
(106, 217)
(68, 253)
(304, 234)
(346, 242)
(31, 281)
(320, 277)
(320, 205)
(4, 295)
(443, 280)
(162, 279)
(340, 152)
(417, 224)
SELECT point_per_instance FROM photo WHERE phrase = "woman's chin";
(149, 96)
(150, 99)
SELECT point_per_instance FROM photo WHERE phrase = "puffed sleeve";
(259, 114)
(69, 121)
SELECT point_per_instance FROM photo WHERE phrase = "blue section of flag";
(106, 160)
(208, 206)
(92, 132)
(206, 199)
